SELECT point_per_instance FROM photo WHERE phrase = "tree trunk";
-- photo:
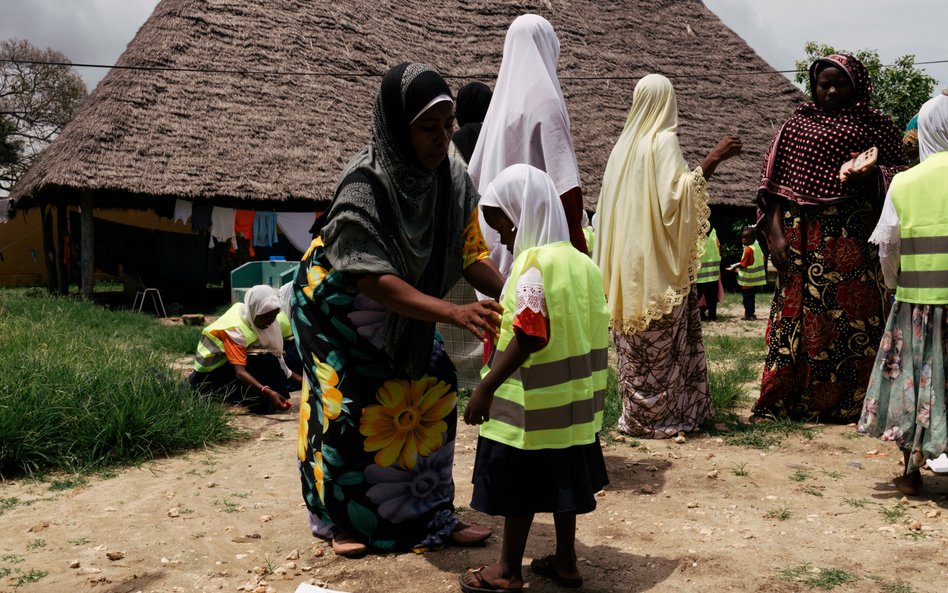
(49, 247)
(62, 213)
(88, 253)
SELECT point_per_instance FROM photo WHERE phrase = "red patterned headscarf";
(805, 156)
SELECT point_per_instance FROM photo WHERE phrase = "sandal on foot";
(482, 584)
(546, 568)
(469, 535)
(348, 546)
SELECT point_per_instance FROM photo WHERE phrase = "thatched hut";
(259, 104)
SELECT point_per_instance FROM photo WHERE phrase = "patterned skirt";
(827, 316)
(663, 375)
(905, 401)
(376, 449)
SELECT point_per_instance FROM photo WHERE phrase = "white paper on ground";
(939, 464)
(307, 588)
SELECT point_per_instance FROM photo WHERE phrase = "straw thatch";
(271, 140)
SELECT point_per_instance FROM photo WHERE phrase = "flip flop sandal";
(545, 568)
(349, 548)
(483, 585)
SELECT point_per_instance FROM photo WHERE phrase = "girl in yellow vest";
(751, 271)
(905, 400)
(223, 367)
(541, 398)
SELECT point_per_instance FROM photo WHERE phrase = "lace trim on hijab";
(676, 296)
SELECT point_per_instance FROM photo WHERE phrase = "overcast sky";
(97, 31)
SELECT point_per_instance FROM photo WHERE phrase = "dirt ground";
(699, 516)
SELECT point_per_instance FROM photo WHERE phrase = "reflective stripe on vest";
(210, 350)
(711, 260)
(756, 274)
(920, 197)
(556, 398)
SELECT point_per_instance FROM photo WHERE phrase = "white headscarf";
(259, 300)
(543, 221)
(652, 219)
(527, 120)
(933, 126)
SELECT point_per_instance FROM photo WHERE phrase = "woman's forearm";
(402, 298)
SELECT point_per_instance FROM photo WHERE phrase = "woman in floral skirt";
(378, 420)
(905, 401)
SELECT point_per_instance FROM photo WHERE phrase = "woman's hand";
(779, 252)
(481, 318)
(478, 407)
(727, 147)
(851, 174)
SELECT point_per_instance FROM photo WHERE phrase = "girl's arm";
(520, 348)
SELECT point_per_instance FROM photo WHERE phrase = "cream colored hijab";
(262, 299)
(652, 219)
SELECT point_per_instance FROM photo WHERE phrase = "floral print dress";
(827, 315)
(905, 401)
(376, 449)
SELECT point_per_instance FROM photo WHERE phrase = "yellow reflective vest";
(555, 399)
(920, 197)
(210, 350)
(756, 273)
(711, 260)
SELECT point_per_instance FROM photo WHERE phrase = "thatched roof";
(265, 139)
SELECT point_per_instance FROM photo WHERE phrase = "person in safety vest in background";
(540, 402)
(709, 276)
(905, 401)
(751, 271)
(241, 354)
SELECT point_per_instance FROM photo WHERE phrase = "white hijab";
(933, 126)
(543, 221)
(259, 300)
(527, 120)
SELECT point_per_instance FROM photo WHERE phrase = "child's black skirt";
(514, 482)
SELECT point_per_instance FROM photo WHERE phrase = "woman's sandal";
(344, 544)
(545, 567)
(469, 535)
(481, 584)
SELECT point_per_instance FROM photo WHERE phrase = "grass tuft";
(83, 388)
(826, 579)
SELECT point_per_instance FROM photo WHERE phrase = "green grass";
(763, 435)
(740, 470)
(781, 514)
(68, 483)
(894, 513)
(35, 544)
(858, 503)
(896, 588)
(741, 365)
(826, 579)
(83, 388)
(799, 476)
(613, 405)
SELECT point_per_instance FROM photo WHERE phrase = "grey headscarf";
(391, 215)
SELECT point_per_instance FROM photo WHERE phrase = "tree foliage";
(898, 90)
(36, 102)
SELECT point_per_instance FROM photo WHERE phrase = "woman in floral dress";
(905, 401)
(378, 419)
(828, 308)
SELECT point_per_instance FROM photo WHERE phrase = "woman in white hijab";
(651, 225)
(222, 365)
(538, 450)
(905, 401)
(527, 123)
